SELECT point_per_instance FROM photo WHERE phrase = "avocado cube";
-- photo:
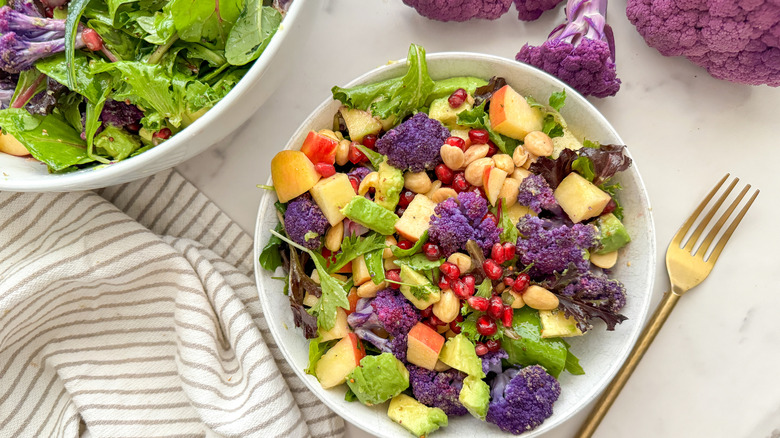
(359, 123)
(415, 416)
(475, 396)
(460, 353)
(442, 111)
(613, 233)
(556, 325)
(414, 278)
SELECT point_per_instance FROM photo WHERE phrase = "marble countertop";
(711, 371)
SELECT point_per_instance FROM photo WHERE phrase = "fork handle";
(613, 390)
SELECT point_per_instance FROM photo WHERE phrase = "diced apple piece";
(339, 330)
(309, 300)
(511, 115)
(414, 221)
(359, 123)
(293, 174)
(579, 198)
(424, 345)
(320, 148)
(10, 145)
(517, 211)
(331, 195)
(492, 180)
(360, 273)
(335, 365)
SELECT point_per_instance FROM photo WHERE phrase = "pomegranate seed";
(369, 141)
(492, 269)
(326, 252)
(444, 174)
(450, 270)
(133, 127)
(492, 345)
(521, 282)
(444, 283)
(497, 253)
(509, 251)
(611, 206)
(405, 244)
(459, 182)
(426, 312)
(470, 283)
(486, 326)
(455, 327)
(508, 315)
(457, 98)
(429, 324)
(493, 149)
(406, 198)
(49, 12)
(355, 156)
(457, 142)
(481, 349)
(431, 251)
(325, 169)
(459, 289)
(400, 211)
(436, 321)
(496, 307)
(479, 136)
(355, 182)
(509, 281)
(478, 303)
(91, 39)
(492, 217)
(162, 134)
(394, 275)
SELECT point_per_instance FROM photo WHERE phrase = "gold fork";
(687, 267)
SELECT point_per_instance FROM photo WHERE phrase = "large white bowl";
(29, 175)
(601, 352)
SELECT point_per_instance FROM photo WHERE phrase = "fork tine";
(719, 224)
(687, 225)
(730, 230)
(708, 217)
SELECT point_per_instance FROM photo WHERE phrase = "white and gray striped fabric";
(131, 312)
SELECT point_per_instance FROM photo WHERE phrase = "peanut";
(474, 153)
(531, 160)
(517, 301)
(328, 133)
(504, 162)
(334, 236)
(448, 307)
(462, 261)
(370, 181)
(387, 253)
(509, 191)
(538, 143)
(418, 182)
(475, 171)
(604, 261)
(436, 185)
(519, 156)
(452, 156)
(539, 298)
(342, 152)
(520, 174)
(369, 289)
(443, 193)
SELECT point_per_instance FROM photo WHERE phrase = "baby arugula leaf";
(252, 32)
(209, 20)
(353, 247)
(400, 253)
(419, 262)
(270, 259)
(76, 9)
(375, 265)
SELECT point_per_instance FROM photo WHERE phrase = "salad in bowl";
(441, 242)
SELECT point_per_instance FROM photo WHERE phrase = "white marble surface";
(712, 370)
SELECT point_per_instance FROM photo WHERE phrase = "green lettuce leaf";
(252, 32)
(209, 20)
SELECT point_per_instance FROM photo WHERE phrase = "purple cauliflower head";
(598, 290)
(459, 220)
(414, 144)
(530, 10)
(491, 362)
(388, 311)
(522, 399)
(551, 246)
(304, 222)
(536, 194)
(737, 41)
(438, 389)
(460, 10)
(580, 52)
(395, 313)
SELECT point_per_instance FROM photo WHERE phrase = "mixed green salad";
(91, 82)
(441, 240)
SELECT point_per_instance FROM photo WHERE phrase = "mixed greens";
(93, 82)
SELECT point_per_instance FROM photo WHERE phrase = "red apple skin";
(360, 350)
(496, 112)
(293, 174)
(320, 148)
(424, 346)
(353, 299)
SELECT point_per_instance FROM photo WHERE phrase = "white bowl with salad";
(151, 85)
(455, 244)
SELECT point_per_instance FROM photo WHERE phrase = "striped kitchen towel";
(132, 312)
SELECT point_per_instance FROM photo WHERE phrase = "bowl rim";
(268, 198)
(100, 175)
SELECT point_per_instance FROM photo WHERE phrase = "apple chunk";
(579, 198)
(492, 180)
(414, 221)
(335, 365)
(424, 345)
(339, 330)
(511, 115)
(332, 194)
(359, 123)
(320, 148)
(293, 174)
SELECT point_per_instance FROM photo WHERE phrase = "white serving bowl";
(601, 352)
(24, 174)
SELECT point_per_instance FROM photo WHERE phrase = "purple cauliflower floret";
(737, 41)
(551, 247)
(396, 314)
(7, 88)
(491, 362)
(580, 52)
(598, 290)
(460, 10)
(536, 194)
(389, 311)
(121, 114)
(303, 216)
(530, 10)
(459, 220)
(414, 144)
(438, 389)
(522, 399)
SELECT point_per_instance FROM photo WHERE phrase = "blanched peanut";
(329, 133)
(387, 253)
(462, 261)
(539, 298)
(448, 307)
(604, 261)
(476, 170)
(443, 193)
(509, 191)
(504, 162)
(436, 185)
(538, 143)
(531, 160)
(369, 289)
(520, 174)
(370, 181)
(342, 152)
(519, 156)
(474, 153)
(452, 156)
(334, 236)
(517, 301)
(418, 182)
